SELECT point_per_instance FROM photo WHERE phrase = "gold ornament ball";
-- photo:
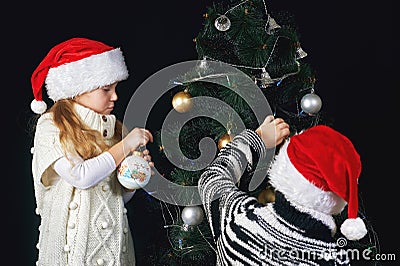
(225, 139)
(266, 196)
(182, 102)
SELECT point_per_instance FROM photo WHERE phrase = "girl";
(77, 147)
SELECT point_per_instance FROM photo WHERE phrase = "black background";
(350, 45)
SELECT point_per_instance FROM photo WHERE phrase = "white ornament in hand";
(134, 172)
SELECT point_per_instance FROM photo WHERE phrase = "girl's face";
(100, 100)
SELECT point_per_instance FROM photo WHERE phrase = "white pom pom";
(353, 229)
(38, 107)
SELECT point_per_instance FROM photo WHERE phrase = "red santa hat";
(318, 169)
(76, 66)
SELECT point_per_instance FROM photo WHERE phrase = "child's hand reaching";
(137, 137)
(273, 131)
(146, 155)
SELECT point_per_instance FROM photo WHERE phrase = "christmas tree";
(264, 46)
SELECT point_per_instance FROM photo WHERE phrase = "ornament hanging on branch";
(311, 103)
(192, 215)
(222, 23)
(182, 101)
(300, 53)
(202, 67)
(265, 80)
(227, 137)
(271, 27)
(203, 64)
(266, 196)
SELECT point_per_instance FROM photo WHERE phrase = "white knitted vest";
(78, 227)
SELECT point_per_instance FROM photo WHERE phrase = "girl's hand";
(273, 131)
(136, 138)
(145, 155)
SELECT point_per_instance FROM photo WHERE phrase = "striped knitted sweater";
(249, 233)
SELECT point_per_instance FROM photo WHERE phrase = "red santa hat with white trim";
(318, 169)
(76, 66)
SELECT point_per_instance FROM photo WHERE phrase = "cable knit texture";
(249, 233)
(78, 227)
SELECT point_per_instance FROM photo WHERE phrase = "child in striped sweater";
(315, 176)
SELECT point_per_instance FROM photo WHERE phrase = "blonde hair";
(76, 137)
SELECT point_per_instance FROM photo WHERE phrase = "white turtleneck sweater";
(82, 222)
(82, 173)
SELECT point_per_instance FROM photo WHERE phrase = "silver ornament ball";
(311, 103)
(192, 215)
(222, 23)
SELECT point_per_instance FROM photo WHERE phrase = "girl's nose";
(114, 96)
